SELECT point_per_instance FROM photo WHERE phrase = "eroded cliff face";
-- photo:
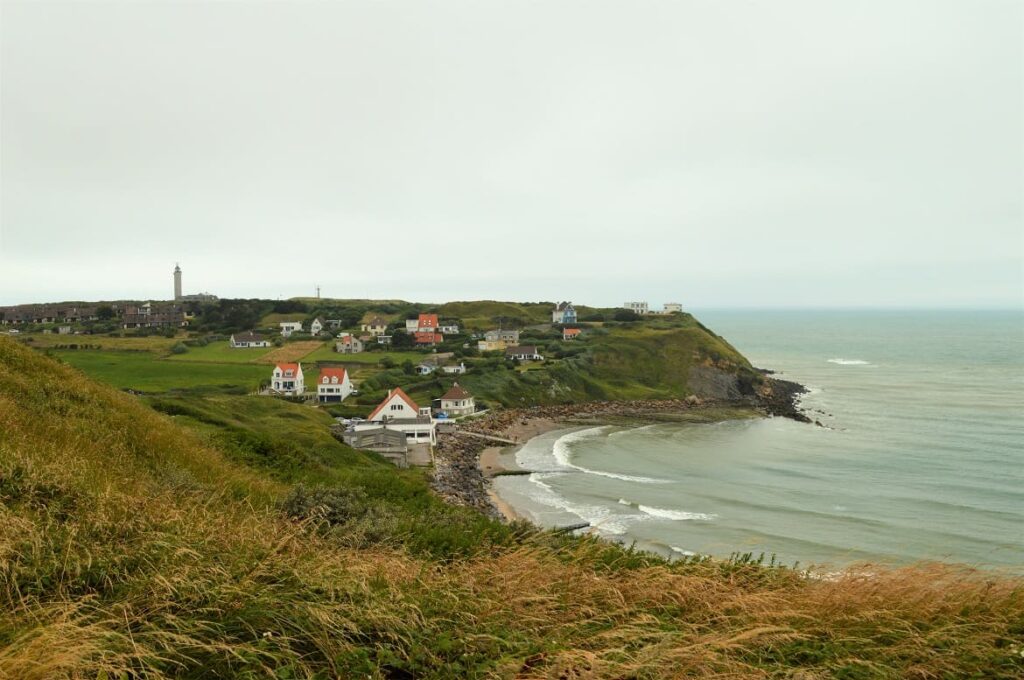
(709, 380)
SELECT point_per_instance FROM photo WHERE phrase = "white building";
(563, 312)
(348, 344)
(673, 307)
(458, 402)
(289, 327)
(450, 329)
(375, 326)
(638, 307)
(333, 385)
(316, 326)
(454, 369)
(248, 339)
(287, 380)
(399, 412)
(510, 337)
(523, 353)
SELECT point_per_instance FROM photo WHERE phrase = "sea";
(919, 455)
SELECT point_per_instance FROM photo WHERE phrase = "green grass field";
(327, 353)
(221, 352)
(147, 372)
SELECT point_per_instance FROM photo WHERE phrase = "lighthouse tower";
(177, 282)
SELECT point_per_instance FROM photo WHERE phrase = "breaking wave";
(681, 515)
(849, 362)
(562, 452)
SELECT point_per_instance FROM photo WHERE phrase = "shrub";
(179, 348)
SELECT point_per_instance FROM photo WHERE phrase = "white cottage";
(333, 385)
(399, 412)
(289, 327)
(458, 402)
(287, 380)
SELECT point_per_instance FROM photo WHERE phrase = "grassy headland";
(174, 544)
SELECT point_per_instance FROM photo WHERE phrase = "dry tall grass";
(128, 548)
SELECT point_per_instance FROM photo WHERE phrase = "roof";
(338, 373)
(562, 306)
(285, 367)
(571, 331)
(456, 392)
(428, 320)
(427, 336)
(376, 321)
(248, 336)
(347, 339)
(397, 392)
(521, 349)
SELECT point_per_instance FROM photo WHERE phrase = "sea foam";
(665, 513)
(849, 362)
(562, 452)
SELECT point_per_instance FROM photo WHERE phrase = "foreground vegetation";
(180, 538)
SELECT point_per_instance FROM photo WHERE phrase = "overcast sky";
(717, 153)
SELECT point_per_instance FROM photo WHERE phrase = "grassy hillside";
(137, 544)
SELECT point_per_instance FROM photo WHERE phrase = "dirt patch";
(291, 352)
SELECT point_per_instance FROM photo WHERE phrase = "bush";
(626, 315)
(180, 348)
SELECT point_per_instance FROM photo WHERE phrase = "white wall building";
(333, 385)
(287, 380)
(399, 412)
(638, 307)
(289, 327)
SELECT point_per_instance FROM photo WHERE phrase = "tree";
(400, 339)
(408, 368)
(626, 315)
(105, 312)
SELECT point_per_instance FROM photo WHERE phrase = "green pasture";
(147, 372)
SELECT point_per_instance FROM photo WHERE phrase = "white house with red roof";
(333, 385)
(570, 333)
(399, 412)
(287, 380)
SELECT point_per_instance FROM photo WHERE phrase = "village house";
(399, 412)
(457, 402)
(454, 369)
(563, 312)
(289, 327)
(348, 344)
(672, 308)
(523, 353)
(637, 307)
(375, 326)
(570, 333)
(427, 338)
(248, 339)
(384, 339)
(153, 316)
(316, 326)
(448, 329)
(491, 345)
(333, 385)
(510, 337)
(64, 330)
(287, 380)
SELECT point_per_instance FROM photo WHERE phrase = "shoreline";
(468, 459)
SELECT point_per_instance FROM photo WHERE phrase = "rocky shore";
(459, 479)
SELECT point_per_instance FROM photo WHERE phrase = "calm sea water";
(922, 457)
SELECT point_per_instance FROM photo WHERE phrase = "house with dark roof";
(563, 312)
(248, 339)
(458, 402)
(523, 353)
(375, 326)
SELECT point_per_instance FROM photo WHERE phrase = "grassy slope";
(132, 546)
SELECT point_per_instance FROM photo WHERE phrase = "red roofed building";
(399, 412)
(428, 338)
(570, 333)
(333, 385)
(428, 322)
(287, 380)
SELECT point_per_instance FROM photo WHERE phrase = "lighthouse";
(177, 282)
